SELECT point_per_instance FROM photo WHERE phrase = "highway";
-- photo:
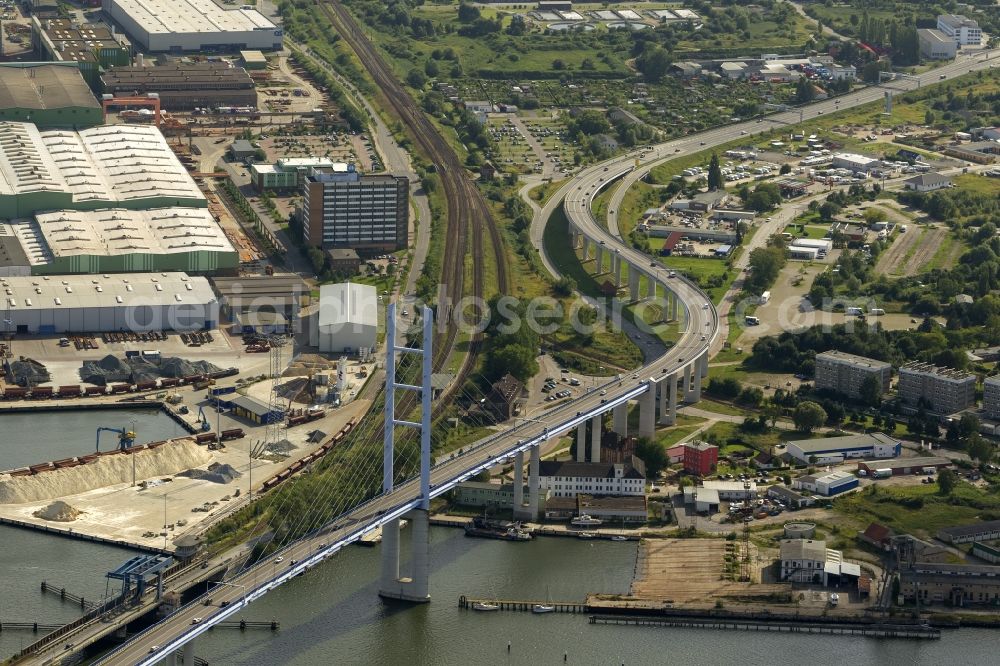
(702, 326)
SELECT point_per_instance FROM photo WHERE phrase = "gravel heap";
(28, 370)
(216, 473)
(58, 511)
(111, 369)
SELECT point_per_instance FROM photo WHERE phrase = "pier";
(875, 630)
(521, 605)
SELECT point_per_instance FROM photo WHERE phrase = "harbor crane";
(126, 438)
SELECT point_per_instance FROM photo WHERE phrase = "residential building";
(185, 86)
(944, 390)
(569, 478)
(791, 499)
(988, 530)
(180, 26)
(963, 30)
(805, 560)
(991, 397)
(347, 321)
(827, 485)
(833, 450)
(936, 45)
(845, 373)
(506, 398)
(697, 457)
(927, 182)
(364, 212)
(952, 584)
(903, 466)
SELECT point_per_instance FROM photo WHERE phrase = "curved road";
(702, 326)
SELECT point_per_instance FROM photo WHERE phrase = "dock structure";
(875, 630)
(521, 605)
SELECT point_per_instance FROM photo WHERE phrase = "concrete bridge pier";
(171, 659)
(668, 401)
(595, 438)
(688, 381)
(620, 420)
(598, 259)
(617, 268)
(633, 284)
(581, 442)
(703, 362)
(533, 481)
(647, 412)
(673, 313)
(187, 655)
(518, 481)
(650, 288)
(586, 247)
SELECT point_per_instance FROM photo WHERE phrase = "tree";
(654, 63)
(416, 79)
(715, 179)
(808, 416)
(785, 169)
(870, 391)
(467, 13)
(979, 448)
(804, 91)
(873, 215)
(946, 481)
(653, 454)
(517, 26)
(564, 287)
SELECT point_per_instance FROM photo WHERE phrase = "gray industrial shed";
(139, 302)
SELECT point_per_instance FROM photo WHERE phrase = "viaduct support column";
(650, 288)
(419, 589)
(595, 439)
(668, 416)
(390, 557)
(633, 284)
(598, 259)
(581, 442)
(688, 392)
(586, 247)
(171, 659)
(188, 653)
(704, 365)
(618, 270)
(696, 388)
(647, 412)
(518, 480)
(674, 311)
(536, 457)
(621, 420)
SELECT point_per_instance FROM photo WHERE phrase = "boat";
(584, 520)
(484, 606)
(496, 529)
(834, 599)
(543, 608)
(586, 535)
(619, 537)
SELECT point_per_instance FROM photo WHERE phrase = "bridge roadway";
(188, 622)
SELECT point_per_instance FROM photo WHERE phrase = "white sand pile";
(110, 470)
(58, 511)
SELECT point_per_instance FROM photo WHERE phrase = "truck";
(883, 473)
(854, 311)
(751, 321)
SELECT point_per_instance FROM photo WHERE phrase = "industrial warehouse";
(193, 25)
(184, 86)
(126, 166)
(120, 240)
(125, 302)
(47, 94)
(90, 47)
(347, 320)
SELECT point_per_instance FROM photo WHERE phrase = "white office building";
(570, 478)
(963, 30)
(179, 26)
(935, 45)
(808, 560)
(347, 321)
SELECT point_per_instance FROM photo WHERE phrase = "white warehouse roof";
(187, 16)
(96, 291)
(119, 231)
(107, 163)
(347, 304)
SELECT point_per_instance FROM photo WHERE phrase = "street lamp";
(243, 601)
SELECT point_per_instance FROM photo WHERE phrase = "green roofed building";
(48, 95)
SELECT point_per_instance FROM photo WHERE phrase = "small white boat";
(585, 521)
(586, 535)
(483, 606)
(619, 537)
(543, 608)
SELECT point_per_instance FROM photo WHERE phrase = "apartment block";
(991, 398)
(945, 390)
(363, 212)
(964, 31)
(845, 373)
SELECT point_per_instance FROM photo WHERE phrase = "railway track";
(468, 213)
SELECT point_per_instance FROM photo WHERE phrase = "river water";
(332, 614)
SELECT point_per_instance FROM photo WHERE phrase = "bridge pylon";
(415, 587)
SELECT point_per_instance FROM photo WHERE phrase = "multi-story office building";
(569, 479)
(936, 45)
(964, 31)
(845, 373)
(991, 397)
(945, 390)
(363, 212)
